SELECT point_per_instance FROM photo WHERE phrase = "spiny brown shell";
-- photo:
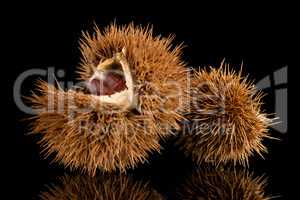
(86, 134)
(226, 118)
(110, 186)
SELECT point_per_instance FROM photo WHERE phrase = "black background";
(257, 38)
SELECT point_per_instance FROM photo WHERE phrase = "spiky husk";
(226, 121)
(113, 187)
(85, 134)
(214, 184)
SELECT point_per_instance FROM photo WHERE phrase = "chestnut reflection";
(102, 187)
(211, 183)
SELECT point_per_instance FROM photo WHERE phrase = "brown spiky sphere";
(112, 187)
(226, 121)
(84, 132)
(227, 184)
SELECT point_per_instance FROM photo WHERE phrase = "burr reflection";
(211, 183)
(103, 187)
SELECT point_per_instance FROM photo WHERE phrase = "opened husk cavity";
(112, 82)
